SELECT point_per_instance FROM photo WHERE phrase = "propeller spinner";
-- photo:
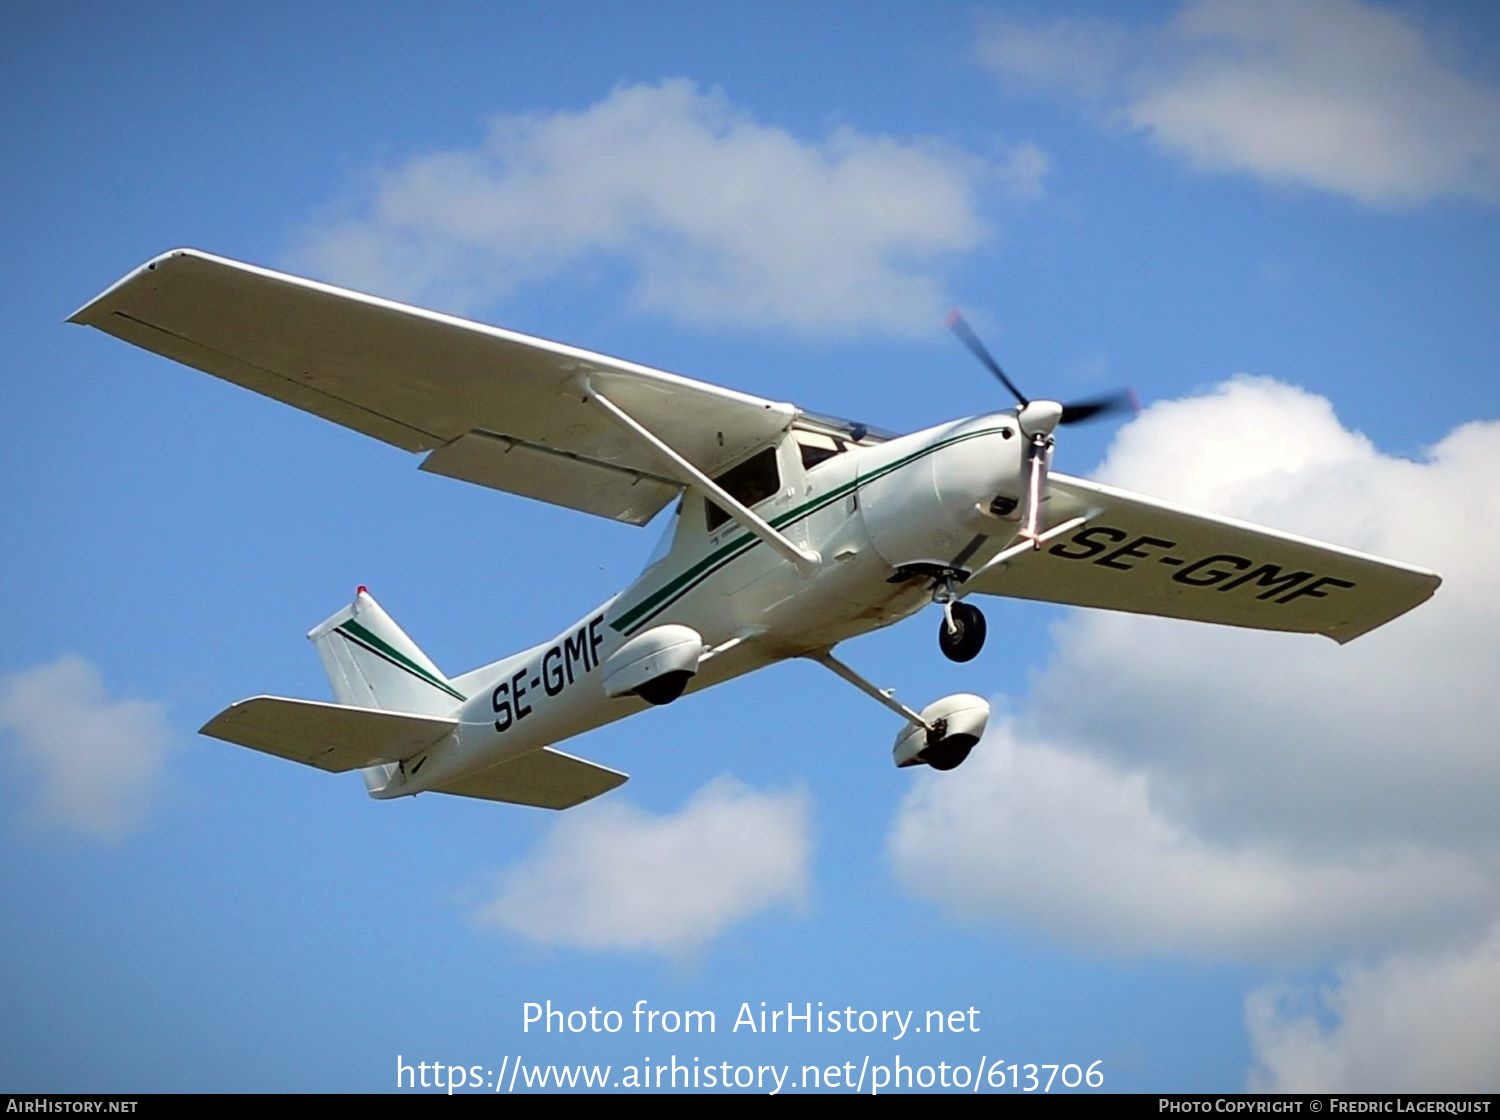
(1038, 419)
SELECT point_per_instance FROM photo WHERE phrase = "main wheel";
(949, 753)
(665, 688)
(964, 643)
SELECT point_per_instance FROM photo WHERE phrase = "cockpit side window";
(754, 480)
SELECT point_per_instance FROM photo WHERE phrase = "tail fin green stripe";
(372, 642)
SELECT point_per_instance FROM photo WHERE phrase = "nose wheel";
(961, 633)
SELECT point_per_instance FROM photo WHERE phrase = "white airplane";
(792, 532)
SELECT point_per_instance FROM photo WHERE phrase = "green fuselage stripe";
(362, 636)
(664, 596)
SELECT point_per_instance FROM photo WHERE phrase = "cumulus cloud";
(1170, 787)
(96, 762)
(1413, 1023)
(1341, 95)
(1040, 835)
(615, 877)
(715, 216)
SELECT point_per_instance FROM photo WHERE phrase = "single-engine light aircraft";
(792, 532)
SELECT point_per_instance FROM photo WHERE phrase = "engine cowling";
(928, 510)
(655, 665)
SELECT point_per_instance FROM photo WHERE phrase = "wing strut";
(804, 560)
(1030, 543)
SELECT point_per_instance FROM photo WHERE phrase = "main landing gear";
(941, 735)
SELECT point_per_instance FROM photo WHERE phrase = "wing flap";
(1147, 557)
(331, 737)
(559, 477)
(546, 779)
(422, 380)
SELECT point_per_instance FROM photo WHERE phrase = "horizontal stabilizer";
(547, 779)
(328, 736)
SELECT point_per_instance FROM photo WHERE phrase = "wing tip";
(1348, 631)
(95, 309)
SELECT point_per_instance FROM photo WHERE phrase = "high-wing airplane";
(792, 532)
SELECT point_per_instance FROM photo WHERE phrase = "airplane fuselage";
(909, 506)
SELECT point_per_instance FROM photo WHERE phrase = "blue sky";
(1207, 860)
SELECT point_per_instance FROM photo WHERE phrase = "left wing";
(1149, 557)
(490, 406)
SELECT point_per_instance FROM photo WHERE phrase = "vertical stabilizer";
(371, 663)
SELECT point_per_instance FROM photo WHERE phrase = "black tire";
(949, 753)
(968, 640)
(665, 688)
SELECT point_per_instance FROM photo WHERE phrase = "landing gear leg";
(885, 696)
(941, 735)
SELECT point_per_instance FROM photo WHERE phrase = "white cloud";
(1034, 834)
(97, 762)
(1340, 95)
(1023, 169)
(1414, 1023)
(1086, 57)
(1170, 787)
(1384, 740)
(614, 877)
(717, 217)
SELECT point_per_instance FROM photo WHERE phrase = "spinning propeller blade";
(959, 326)
(1076, 412)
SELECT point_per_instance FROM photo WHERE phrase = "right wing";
(1144, 556)
(490, 406)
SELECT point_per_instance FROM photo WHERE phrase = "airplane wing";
(488, 406)
(1148, 557)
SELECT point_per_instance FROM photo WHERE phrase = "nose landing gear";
(961, 634)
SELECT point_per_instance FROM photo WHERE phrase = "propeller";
(1038, 419)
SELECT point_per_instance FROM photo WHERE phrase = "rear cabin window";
(817, 448)
(754, 480)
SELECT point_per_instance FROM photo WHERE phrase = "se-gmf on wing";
(487, 405)
(1144, 556)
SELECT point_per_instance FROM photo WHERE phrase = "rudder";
(371, 663)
